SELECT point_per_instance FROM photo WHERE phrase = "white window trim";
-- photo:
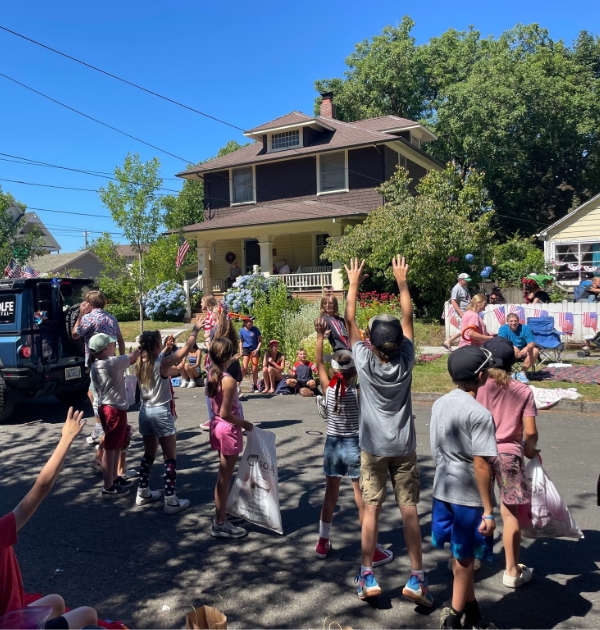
(300, 144)
(339, 190)
(242, 203)
(567, 242)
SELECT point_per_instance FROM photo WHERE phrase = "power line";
(100, 122)
(81, 214)
(114, 76)
(94, 190)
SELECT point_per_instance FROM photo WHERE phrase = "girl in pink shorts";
(226, 427)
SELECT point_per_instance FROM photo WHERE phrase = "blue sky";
(244, 62)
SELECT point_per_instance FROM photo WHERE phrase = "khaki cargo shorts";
(403, 472)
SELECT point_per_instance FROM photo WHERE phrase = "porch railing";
(306, 281)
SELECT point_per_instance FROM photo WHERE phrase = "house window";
(415, 140)
(576, 261)
(242, 185)
(402, 161)
(333, 172)
(285, 140)
(321, 245)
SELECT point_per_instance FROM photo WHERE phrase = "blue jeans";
(341, 457)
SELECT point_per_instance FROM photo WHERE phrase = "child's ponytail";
(220, 352)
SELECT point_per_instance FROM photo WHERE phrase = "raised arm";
(355, 277)
(174, 358)
(49, 473)
(84, 309)
(121, 344)
(400, 273)
(321, 327)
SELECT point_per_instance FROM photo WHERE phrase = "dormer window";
(285, 139)
(415, 140)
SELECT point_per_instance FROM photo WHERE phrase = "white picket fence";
(580, 329)
(299, 281)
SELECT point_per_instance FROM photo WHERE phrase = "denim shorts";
(341, 457)
(157, 420)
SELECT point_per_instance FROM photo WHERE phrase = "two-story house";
(303, 180)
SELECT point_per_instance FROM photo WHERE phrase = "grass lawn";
(131, 330)
(432, 376)
(429, 334)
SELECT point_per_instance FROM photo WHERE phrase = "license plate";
(72, 372)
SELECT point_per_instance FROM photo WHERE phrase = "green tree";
(522, 109)
(13, 244)
(516, 258)
(136, 208)
(116, 280)
(449, 218)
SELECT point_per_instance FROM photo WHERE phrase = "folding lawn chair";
(547, 339)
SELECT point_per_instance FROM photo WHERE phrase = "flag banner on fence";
(565, 321)
(500, 314)
(519, 310)
(590, 320)
(29, 272)
(539, 313)
(452, 317)
(12, 270)
(181, 254)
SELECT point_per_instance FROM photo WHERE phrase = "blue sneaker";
(520, 376)
(418, 591)
(367, 585)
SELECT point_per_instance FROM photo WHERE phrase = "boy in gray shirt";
(386, 429)
(463, 439)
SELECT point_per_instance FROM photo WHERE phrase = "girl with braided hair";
(342, 453)
(157, 418)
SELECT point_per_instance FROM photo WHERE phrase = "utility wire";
(94, 190)
(114, 76)
(100, 122)
(81, 214)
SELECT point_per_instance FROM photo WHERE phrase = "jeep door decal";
(7, 309)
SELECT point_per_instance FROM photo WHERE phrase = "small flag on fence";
(12, 270)
(565, 321)
(29, 272)
(500, 314)
(590, 320)
(539, 313)
(519, 310)
(181, 254)
(452, 317)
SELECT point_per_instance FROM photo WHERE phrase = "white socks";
(419, 574)
(364, 569)
(324, 529)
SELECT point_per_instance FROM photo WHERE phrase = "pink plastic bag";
(550, 517)
(26, 618)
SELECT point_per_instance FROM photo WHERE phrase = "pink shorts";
(226, 437)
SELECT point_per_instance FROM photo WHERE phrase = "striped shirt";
(345, 422)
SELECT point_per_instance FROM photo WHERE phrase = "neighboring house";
(303, 180)
(85, 261)
(32, 220)
(128, 253)
(572, 244)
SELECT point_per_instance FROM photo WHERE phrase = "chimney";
(327, 107)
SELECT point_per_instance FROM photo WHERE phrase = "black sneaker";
(115, 492)
(124, 483)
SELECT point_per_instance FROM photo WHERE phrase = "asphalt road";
(130, 563)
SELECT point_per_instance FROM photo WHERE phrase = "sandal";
(445, 345)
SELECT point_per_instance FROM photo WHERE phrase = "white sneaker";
(518, 580)
(131, 473)
(192, 384)
(321, 410)
(183, 382)
(227, 530)
(145, 495)
(174, 504)
(95, 435)
(205, 426)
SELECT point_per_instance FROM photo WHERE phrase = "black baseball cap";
(502, 349)
(467, 362)
(385, 329)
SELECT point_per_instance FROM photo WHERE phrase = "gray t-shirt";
(158, 391)
(460, 429)
(107, 376)
(386, 426)
(461, 295)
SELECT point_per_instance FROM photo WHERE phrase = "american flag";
(565, 321)
(590, 320)
(519, 310)
(500, 314)
(452, 317)
(12, 270)
(181, 253)
(539, 313)
(29, 272)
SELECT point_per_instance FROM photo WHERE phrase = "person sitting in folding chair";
(523, 340)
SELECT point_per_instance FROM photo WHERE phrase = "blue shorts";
(157, 420)
(459, 526)
(341, 457)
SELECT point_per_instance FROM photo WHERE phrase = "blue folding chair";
(547, 339)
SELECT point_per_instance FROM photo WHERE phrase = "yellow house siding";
(219, 267)
(297, 249)
(584, 226)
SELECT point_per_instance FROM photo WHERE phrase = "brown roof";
(277, 212)
(127, 251)
(345, 135)
(384, 123)
(293, 118)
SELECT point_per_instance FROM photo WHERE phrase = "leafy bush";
(195, 298)
(273, 310)
(515, 259)
(124, 312)
(242, 295)
(373, 303)
(166, 302)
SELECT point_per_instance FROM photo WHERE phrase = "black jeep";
(38, 355)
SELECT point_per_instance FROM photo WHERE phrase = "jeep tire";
(73, 398)
(7, 402)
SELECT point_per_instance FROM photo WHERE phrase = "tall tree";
(522, 109)
(136, 208)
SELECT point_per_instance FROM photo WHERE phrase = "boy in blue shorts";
(463, 439)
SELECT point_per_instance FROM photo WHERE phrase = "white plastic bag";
(130, 386)
(254, 495)
(550, 517)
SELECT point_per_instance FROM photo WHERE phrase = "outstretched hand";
(320, 326)
(355, 272)
(85, 308)
(400, 269)
(73, 425)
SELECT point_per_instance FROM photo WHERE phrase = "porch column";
(266, 255)
(337, 279)
(204, 267)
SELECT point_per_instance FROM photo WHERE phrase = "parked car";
(38, 355)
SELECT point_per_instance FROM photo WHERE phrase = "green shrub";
(272, 311)
(124, 312)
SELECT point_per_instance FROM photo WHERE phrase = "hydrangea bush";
(166, 302)
(242, 295)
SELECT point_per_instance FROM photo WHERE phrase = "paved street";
(130, 562)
